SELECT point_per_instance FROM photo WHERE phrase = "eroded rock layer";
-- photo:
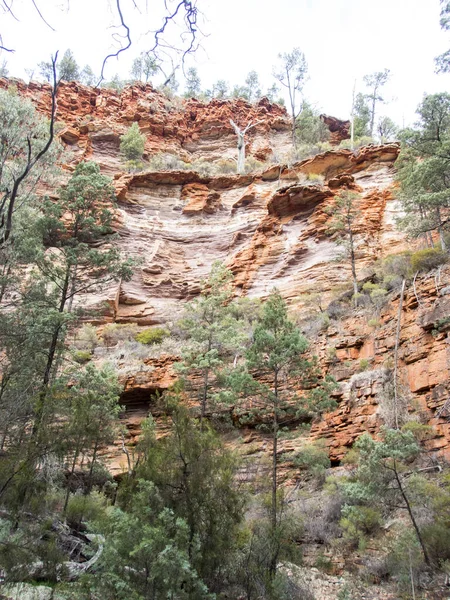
(271, 228)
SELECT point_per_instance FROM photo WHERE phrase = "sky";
(342, 40)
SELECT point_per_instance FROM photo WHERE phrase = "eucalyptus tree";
(375, 81)
(291, 74)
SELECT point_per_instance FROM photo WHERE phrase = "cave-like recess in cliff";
(140, 399)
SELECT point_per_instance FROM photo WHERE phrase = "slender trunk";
(204, 396)
(440, 229)
(274, 559)
(411, 515)
(241, 155)
(69, 482)
(91, 468)
(372, 116)
(397, 342)
(50, 358)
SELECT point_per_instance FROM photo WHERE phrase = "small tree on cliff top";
(132, 145)
(292, 75)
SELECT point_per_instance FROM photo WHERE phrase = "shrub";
(373, 323)
(225, 167)
(116, 332)
(313, 458)
(132, 143)
(154, 335)
(86, 338)
(357, 522)
(315, 178)
(167, 162)
(82, 356)
(427, 259)
(364, 364)
(251, 164)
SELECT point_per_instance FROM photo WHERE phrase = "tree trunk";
(241, 155)
(411, 515)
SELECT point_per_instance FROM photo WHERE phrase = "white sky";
(342, 41)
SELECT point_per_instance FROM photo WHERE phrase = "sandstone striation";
(270, 227)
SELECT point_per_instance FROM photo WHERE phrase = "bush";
(154, 335)
(132, 143)
(86, 338)
(364, 364)
(167, 162)
(357, 522)
(427, 259)
(313, 458)
(82, 356)
(115, 332)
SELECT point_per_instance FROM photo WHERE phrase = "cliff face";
(270, 229)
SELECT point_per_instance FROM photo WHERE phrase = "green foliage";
(132, 143)
(313, 458)
(423, 171)
(143, 67)
(357, 522)
(158, 543)
(364, 364)
(427, 259)
(194, 476)
(68, 68)
(155, 335)
(214, 331)
(310, 129)
(193, 83)
(82, 356)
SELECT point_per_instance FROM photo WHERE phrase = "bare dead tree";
(241, 143)
(10, 196)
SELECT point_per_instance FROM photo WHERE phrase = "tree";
(374, 82)
(387, 129)
(87, 76)
(143, 67)
(292, 75)
(443, 61)
(361, 116)
(424, 170)
(220, 89)
(253, 86)
(379, 477)
(92, 413)
(277, 352)
(132, 145)
(195, 477)
(241, 143)
(68, 67)
(342, 225)
(193, 83)
(146, 552)
(213, 333)
(25, 143)
(310, 129)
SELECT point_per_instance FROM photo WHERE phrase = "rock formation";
(270, 229)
